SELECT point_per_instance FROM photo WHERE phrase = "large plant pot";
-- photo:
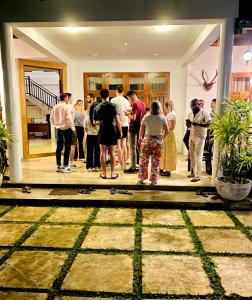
(233, 191)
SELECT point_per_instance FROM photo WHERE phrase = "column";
(224, 78)
(11, 108)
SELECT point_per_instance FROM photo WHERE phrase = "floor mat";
(62, 192)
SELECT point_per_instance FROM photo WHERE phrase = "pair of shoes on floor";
(190, 175)
(114, 176)
(165, 173)
(64, 169)
(130, 171)
(87, 190)
(114, 191)
(201, 192)
(26, 189)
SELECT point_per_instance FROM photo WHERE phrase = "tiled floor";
(43, 170)
(123, 253)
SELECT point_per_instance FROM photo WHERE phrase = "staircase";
(40, 93)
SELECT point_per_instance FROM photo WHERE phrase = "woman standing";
(93, 148)
(79, 116)
(107, 115)
(152, 131)
(169, 156)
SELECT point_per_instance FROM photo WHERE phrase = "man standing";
(136, 114)
(199, 121)
(61, 118)
(122, 106)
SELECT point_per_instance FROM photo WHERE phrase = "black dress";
(106, 113)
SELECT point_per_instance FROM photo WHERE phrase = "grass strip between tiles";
(26, 235)
(137, 263)
(73, 252)
(208, 265)
(239, 225)
(5, 211)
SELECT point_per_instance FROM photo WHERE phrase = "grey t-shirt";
(154, 124)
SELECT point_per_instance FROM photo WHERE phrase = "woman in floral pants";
(153, 129)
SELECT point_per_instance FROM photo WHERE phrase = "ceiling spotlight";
(164, 28)
(155, 54)
(94, 54)
(247, 55)
(125, 44)
(72, 29)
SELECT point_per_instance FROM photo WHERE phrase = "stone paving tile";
(22, 296)
(162, 216)
(70, 214)
(116, 215)
(9, 233)
(101, 237)
(236, 274)
(54, 236)
(97, 272)
(174, 275)
(31, 269)
(163, 239)
(23, 213)
(209, 218)
(221, 240)
(2, 208)
(244, 217)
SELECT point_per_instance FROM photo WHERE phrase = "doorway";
(40, 85)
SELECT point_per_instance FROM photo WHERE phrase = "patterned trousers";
(150, 147)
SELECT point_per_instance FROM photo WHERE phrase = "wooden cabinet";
(148, 86)
(241, 84)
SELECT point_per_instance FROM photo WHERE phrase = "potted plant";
(5, 136)
(231, 132)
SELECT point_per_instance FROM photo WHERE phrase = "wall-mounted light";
(163, 28)
(247, 55)
(72, 29)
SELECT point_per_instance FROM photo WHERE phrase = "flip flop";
(85, 191)
(124, 192)
(103, 177)
(26, 189)
(114, 176)
(113, 191)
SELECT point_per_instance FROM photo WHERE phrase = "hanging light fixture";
(247, 55)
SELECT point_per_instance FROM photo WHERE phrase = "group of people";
(111, 124)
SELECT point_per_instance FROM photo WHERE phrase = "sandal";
(114, 176)
(26, 189)
(85, 191)
(103, 176)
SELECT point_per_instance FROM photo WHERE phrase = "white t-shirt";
(201, 117)
(122, 105)
(154, 124)
(171, 116)
(91, 130)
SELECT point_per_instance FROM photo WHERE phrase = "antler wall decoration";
(208, 85)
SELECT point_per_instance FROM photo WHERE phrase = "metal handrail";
(34, 89)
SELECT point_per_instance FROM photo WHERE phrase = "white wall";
(177, 80)
(208, 61)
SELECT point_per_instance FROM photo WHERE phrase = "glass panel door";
(136, 83)
(94, 83)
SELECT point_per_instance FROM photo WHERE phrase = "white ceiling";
(107, 42)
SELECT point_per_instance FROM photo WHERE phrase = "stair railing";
(32, 88)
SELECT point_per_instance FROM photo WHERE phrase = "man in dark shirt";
(136, 114)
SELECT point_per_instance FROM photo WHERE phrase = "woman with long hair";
(168, 160)
(93, 148)
(152, 131)
(79, 116)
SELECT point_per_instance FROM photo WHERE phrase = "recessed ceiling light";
(72, 29)
(155, 54)
(164, 28)
(125, 44)
(94, 54)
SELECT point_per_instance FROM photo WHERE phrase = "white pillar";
(224, 78)
(11, 108)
